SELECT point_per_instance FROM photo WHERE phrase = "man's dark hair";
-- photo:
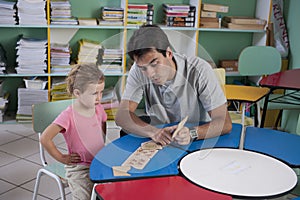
(147, 38)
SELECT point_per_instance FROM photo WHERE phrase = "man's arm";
(129, 121)
(220, 124)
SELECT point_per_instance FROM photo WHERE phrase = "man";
(173, 86)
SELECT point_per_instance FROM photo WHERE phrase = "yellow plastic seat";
(43, 115)
(253, 61)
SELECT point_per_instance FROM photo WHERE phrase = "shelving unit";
(218, 43)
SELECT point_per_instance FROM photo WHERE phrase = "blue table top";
(281, 145)
(164, 163)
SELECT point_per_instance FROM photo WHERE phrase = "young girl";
(83, 125)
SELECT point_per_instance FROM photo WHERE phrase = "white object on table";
(238, 172)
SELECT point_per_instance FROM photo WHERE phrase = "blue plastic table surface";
(164, 163)
(281, 145)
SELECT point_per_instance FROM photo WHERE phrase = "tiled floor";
(20, 161)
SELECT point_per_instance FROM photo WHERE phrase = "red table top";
(160, 188)
(289, 79)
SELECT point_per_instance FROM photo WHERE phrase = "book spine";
(180, 24)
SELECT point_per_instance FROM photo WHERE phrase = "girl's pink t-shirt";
(83, 135)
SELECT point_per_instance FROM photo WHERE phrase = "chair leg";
(37, 184)
(258, 114)
(61, 188)
(94, 196)
(243, 127)
(278, 120)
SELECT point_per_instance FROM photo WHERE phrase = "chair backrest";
(220, 73)
(43, 114)
(259, 60)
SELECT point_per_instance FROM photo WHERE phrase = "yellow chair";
(253, 61)
(43, 115)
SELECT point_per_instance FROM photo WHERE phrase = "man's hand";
(164, 135)
(183, 137)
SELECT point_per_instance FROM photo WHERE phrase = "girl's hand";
(72, 158)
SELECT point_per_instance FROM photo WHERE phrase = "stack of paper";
(32, 12)
(60, 58)
(7, 12)
(26, 98)
(61, 13)
(27, 49)
(112, 61)
(89, 52)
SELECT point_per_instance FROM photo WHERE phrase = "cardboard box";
(209, 24)
(229, 65)
(209, 19)
(244, 20)
(208, 14)
(243, 26)
(215, 7)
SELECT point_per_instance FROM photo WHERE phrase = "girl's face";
(91, 96)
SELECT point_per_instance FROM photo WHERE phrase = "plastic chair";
(253, 61)
(43, 115)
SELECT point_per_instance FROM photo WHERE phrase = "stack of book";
(210, 15)
(110, 103)
(111, 16)
(7, 12)
(28, 48)
(26, 98)
(242, 22)
(31, 12)
(140, 14)
(59, 89)
(61, 13)
(89, 52)
(179, 15)
(111, 62)
(60, 58)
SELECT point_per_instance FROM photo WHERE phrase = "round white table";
(238, 172)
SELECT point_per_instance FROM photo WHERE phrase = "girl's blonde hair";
(82, 75)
